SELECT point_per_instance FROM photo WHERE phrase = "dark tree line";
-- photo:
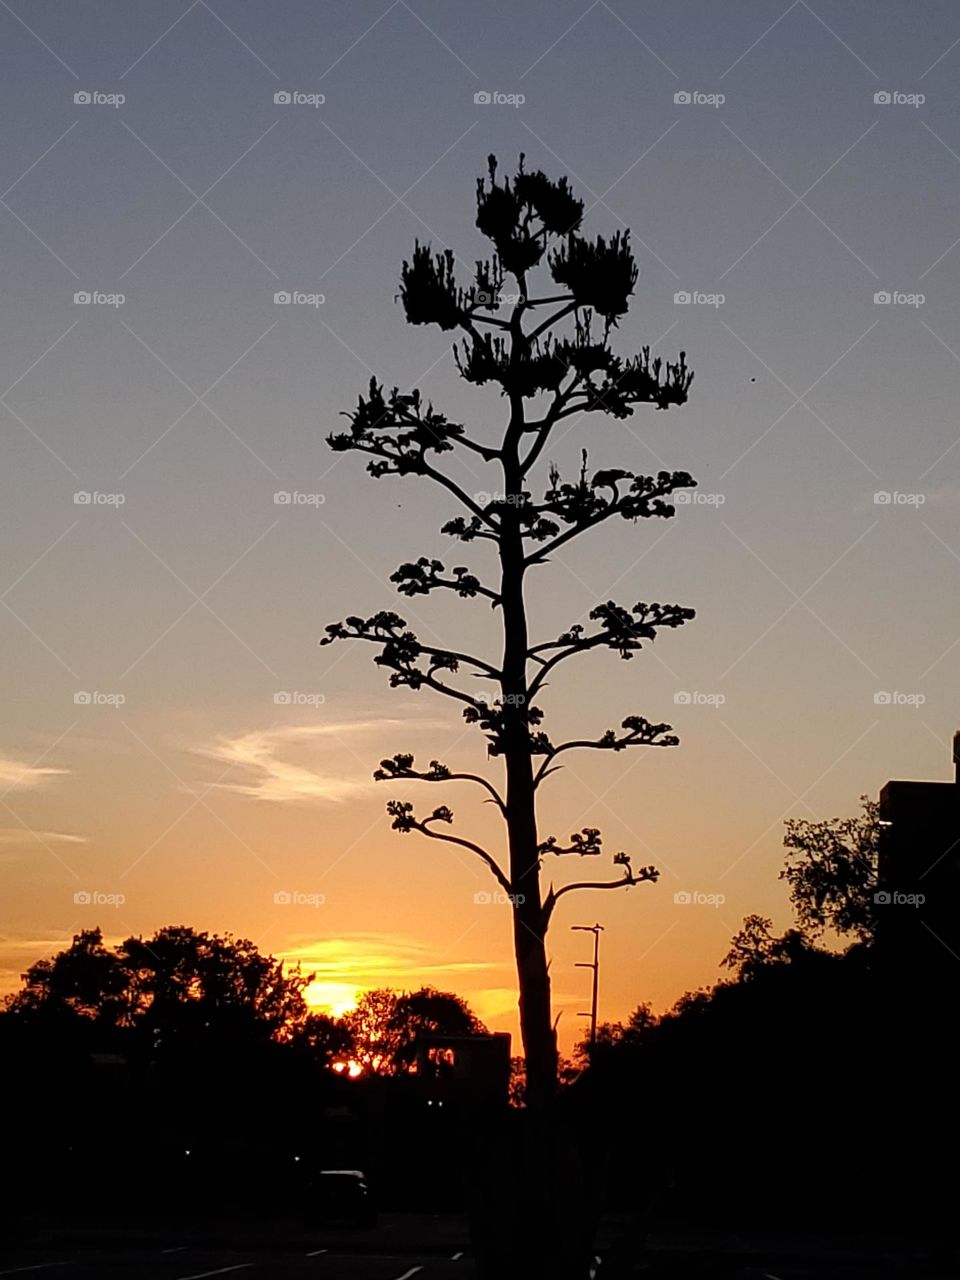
(810, 1089)
(183, 992)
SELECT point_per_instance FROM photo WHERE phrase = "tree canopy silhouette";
(175, 987)
(832, 872)
(550, 353)
(385, 1025)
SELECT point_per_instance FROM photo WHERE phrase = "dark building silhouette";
(466, 1070)
(918, 895)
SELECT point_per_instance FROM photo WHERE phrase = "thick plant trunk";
(533, 1207)
(529, 925)
(530, 1201)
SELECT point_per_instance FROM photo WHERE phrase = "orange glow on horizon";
(333, 998)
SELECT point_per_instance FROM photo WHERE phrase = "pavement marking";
(315, 1253)
(407, 1274)
(455, 1257)
(220, 1271)
(36, 1266)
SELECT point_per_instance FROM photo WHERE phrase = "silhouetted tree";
(614, 1035)
(324, 1039)
(385, 1025)
(179, 983)
(754, 947)
(832, 872)
(86, 980)
(545, 379)
(187, 980)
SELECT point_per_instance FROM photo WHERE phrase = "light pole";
(596, 930)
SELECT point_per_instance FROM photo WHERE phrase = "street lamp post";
(596, 930)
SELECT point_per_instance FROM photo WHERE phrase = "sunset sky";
(180, 790)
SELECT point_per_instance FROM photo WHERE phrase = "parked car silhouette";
(341, 1197)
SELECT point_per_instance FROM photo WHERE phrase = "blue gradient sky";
(199, 598)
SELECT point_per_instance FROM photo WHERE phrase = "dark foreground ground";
(436, 1247)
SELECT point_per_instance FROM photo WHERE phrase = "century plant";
(551, 356)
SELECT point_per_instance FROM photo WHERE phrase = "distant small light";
(296, 1159)
(885, 823)
(186, 1153)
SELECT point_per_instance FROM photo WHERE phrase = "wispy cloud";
(20, 835)
(16, 775)
(294, 762)
(377, 959)
(15, 842)
(355, 962)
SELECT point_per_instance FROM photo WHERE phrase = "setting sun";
(333, 998)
